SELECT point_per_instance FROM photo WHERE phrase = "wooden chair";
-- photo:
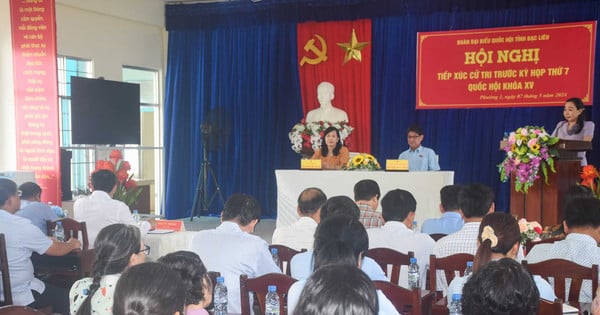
(437, 236)
(449, 265)
(529, 244)
(386, 256)
(19, 310)
(285, 256)
(259, 286)
(561, 269)
(407, 302)
(550, 308)
(64, 270)
(5, 273)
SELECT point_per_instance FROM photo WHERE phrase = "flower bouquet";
(530, 231)
(127, 188)
(527, 151)
(306, 137)
(363, 161)
(590, 178)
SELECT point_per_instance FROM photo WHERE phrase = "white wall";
(112, 33)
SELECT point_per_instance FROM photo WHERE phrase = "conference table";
(425, 187)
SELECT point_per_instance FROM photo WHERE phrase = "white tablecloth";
(425, 187)
(162, 244)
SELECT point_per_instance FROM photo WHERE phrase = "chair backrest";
(5, 273)
(561, 269)
(285, 256)
(437, 236)
(259, 286)
(406, 301)
(19, 310)
(529, 244)
(386, 256)
(449, 265)
(72, 229)
(550, 308)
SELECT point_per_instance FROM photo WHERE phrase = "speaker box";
(65, 174)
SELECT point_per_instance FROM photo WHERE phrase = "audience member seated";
(22, 239)
(333, 154)
(232, 250)
(117, 247)
(32, 208)
(419, 157)
(582, 225)
(366, 196)
(451, 220)
(99, 210)
(301, 234)
(149, 289)
(499, 237)
(348, 251)
(399, 208)
(500, 287)
(195, 278)
(302, 263)
(475, 201)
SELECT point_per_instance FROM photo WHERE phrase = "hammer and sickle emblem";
(321, 55)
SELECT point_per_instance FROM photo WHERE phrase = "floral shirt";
(102, 300)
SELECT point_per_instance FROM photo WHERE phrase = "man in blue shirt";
(451, 220)
(419, 157)
(32, 208)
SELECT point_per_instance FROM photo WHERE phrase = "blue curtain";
(241, 57)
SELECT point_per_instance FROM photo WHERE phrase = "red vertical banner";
(340, 53)
(33, 24)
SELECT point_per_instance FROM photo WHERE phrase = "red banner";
(339, 53)
(33, 25)
(540, 65)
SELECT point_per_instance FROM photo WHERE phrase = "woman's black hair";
(192, 271)
(149, 289)
(338, 289)
(113, 248)
(501, 226)
(338, 145)
(581, 118)
(344, 229)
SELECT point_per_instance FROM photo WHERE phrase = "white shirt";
(22, 239)
(462, 241)
(385, 305)
(99, 210)
(578, 248)
(302, 267)
(233, 252)
(395, 235)
(299, 235)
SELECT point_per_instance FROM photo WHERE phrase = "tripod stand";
(201, 200)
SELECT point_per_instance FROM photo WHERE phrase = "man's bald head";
(310, 201)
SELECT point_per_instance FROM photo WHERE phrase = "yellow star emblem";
(353, 48)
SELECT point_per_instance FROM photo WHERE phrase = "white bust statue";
(326, 112)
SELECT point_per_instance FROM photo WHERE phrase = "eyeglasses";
(146, 250)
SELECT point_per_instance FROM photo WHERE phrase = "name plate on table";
(310, 164)
(169, 225)
(396, 165)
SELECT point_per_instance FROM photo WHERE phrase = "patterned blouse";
(102, 300)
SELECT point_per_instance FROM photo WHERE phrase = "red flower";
(589, 174)
(105, 165)
(538, 230)
(125, 166)
(115, 154)
(122, 175)
(131, 184)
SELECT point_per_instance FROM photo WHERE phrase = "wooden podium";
(545, 203)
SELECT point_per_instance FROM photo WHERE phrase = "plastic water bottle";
(455, 307)
(136, 217)
(414, 279)
(59, 232)
(220, 297)
(275, 255)
(272, 301)
(469, 269)
(415, 227)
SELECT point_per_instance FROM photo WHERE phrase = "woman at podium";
(575, 127)
(332, 153)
